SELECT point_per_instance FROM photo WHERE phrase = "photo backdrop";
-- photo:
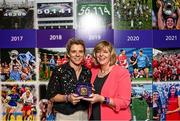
(32, 32)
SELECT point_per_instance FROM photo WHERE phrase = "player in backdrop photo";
(138, 61)
(173, 104)
(67, 85)
(143, 64)
(18, 102)
(28, 101)
(47, 112)
(156, 106)
(132, 14)
(141, 101)
(166, 14)
(166, 64)
(11, 100)
(122, 59)
(169, 100)
(49, 59)
(18, 65)
(133, 63)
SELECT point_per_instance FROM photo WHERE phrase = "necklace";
(103, 73)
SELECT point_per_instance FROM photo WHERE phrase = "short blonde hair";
(112, 51)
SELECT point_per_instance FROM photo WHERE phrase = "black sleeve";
(54, 85)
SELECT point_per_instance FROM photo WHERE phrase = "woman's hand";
(74, 98)
(169, 112)
(94, 98)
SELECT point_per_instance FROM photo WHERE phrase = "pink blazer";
(118, 88)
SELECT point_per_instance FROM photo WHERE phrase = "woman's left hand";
(94, 98)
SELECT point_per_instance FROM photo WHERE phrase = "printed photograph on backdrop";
(18, 102)
(166, 64)
(141, 102)
(132, 14)
(16, 14)
(18, 65)
(47, 112)
(53, 14)
(138, 61)
(94, 14)
(49, 59)
(166, 14)
(52, 58)
(166, 99)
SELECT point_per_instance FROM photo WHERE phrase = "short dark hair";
(121, 50)
(141, 50)
(173, 18)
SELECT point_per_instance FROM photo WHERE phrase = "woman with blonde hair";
(112, 85)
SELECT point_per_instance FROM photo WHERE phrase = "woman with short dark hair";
(62, 85)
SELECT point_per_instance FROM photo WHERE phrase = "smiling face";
(27, 93)
(76, 54)
(15, 68)
(13, 90)
(170, 23)
(123, 52)
(155, 96)
(103, 56)
(172, 90)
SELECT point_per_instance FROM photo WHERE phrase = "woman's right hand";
(74, 98)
